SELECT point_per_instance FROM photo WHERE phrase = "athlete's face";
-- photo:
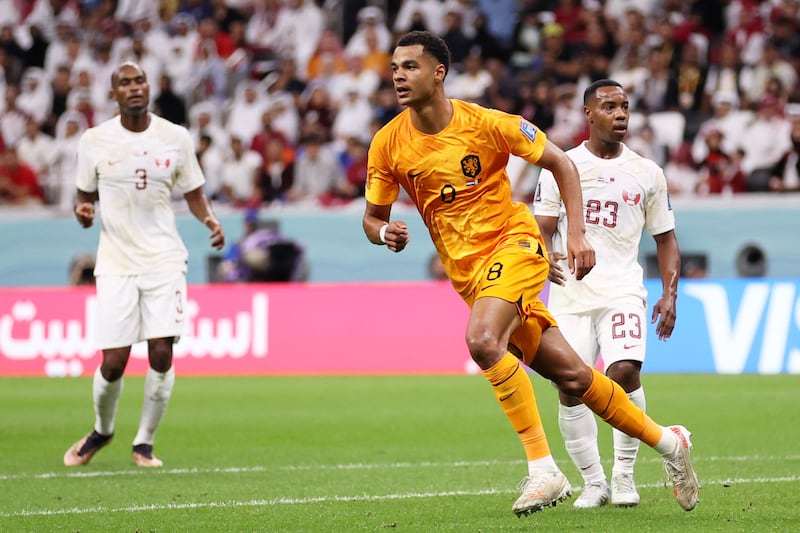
(130, 89)
(416, 75)
(608, 114)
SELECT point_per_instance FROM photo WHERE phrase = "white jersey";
(135, 174)
(621, 197)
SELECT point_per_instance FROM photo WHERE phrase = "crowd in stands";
(282, 97)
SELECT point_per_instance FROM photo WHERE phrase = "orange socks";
(609, 401)
(514, 392)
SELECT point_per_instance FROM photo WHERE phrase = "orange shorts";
(517, 274)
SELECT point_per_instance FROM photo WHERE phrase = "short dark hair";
(431, 43)
(590, 91)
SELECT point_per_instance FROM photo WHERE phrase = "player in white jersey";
(605, 312)
(131, 164)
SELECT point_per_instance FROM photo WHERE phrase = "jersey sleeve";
(189, 176)
(382, 187)
(518, 136)
(547, 200)
(659, 217)
(86, 178)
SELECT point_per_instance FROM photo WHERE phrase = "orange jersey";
(457, 179)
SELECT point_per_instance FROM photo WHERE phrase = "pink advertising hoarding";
(387, 328)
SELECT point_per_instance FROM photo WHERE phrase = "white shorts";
(617, 333)
(137, 308)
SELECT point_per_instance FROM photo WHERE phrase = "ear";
(587, 113)
(440, 73)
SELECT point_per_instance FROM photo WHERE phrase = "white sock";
(542, 465)
(157, 390)
(625, 447)
(105, 395)
(579, 429)
(668, 445)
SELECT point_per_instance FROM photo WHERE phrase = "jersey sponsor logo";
(527, 129)
(603, 179)
(471, 167)
(631, 198)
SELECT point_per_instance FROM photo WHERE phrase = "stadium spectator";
(19, 184)
(508, 325)
(244, 113)
(12, 118)
(372, 34)
(317, 111)
(353, 118)
(141, 268)
(786, 173)
(284, 116)
(725, 75)
(68, 131)
(719, 172)
(168, 104)
(327, 59)
(210, 157)
(768, 139)
(454, 35)
(240, 173)
(37, 150)
(611, 298)
(356, 76)
(204, 120)
(277, 174)
(681, 171)
(770, 66)
(419, 15)
(316, 171)
(471, 82)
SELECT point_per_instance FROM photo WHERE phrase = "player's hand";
(396, 235)
(665, 312)
(556, 275)
(580, 255)
(84, 212)
(217, 236)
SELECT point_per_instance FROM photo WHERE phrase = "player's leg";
(117, 328)
(488, 332)
(558, 362)
(623, 337)
(506, 320)
(162, 305)
(577, 422)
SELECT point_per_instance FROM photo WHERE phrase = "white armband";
(382, 233)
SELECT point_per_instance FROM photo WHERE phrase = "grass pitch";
(404, 453)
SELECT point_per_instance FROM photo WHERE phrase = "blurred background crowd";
(283, 96)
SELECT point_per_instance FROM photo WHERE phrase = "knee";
(626, 373)
(484, 348)
(160, 354)
(114, 363)
(574, 380)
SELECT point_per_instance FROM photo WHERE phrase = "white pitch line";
(346, 466)
(328, 499)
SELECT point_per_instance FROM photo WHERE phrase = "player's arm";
(84, 207)
(669, 267)
(380, 230)
(580, 254)
(201, 209)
